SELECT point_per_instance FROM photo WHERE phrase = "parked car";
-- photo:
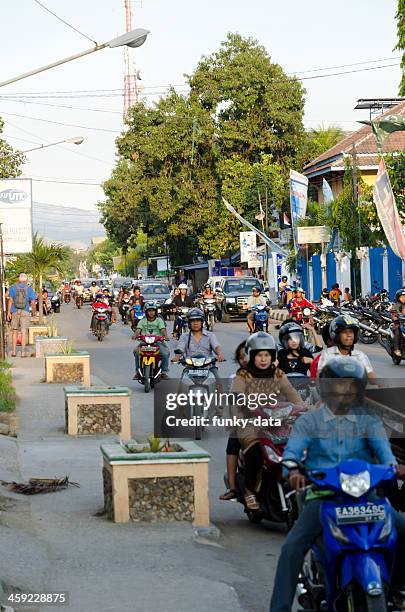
(232, 295)
(117, 283)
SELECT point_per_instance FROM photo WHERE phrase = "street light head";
(77, 140)
(134, 39)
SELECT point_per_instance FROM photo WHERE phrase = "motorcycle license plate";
(199, 373)
(366, 513)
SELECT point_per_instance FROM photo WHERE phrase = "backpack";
(20, 298)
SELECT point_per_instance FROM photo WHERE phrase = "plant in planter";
(156, 482)
(68, 366)
(8, 420)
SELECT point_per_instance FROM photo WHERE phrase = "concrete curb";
(279, 315)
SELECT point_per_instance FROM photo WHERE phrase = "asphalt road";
(250, 550)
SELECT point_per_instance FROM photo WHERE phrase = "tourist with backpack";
(21, 296)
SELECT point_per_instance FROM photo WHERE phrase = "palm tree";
(321, 139)
(44, 259)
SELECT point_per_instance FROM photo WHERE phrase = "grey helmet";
(195, 314)
(291, 330)
(151, 306)
(260, 341)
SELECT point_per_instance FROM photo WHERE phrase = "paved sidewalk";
(59, 541)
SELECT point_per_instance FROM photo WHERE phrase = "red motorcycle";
(277, 502)
(67, 296)
(79, 300)
(150, 362)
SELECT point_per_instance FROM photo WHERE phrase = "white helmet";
(183, 286)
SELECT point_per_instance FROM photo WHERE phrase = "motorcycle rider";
(94, 290)
(397, 312)
(208, 292)
(181, 300)
(99, 302)
(294, 357)
(298, 303)
(155, 326)
(198, 341)
(260, 376)
(335, 294)
(283, 291)
(109, 300)
(344, 331)
(137, 297)
(330, 435)
(254, 300)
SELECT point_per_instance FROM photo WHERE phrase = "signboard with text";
(16, 215)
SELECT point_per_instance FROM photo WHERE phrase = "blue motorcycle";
(260, 318)
(349, 568)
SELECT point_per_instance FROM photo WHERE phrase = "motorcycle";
(210, 308)
(67, 296)
(197, 369)
(260, 318)
(55, 303)
(124, 310)
(386, 339)
(79, 300)
(350, 568)
(182, 322)
(101, 322)
(150, 362)
(277, 501)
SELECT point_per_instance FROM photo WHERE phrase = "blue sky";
(298, 35)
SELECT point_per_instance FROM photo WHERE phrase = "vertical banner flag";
(248, 250)
(16, 215)
(387, 211)
(298, 199)
(328, 199)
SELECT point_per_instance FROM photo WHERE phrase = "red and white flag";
(388, 212)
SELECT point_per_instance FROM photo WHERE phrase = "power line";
(66, 182)
(387, 59)
(83, 127)
(322, 76)
(69, 25)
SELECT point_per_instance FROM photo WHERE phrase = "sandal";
(251, 502)
(228, 495)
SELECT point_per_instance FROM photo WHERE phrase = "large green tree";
(401, 41)
(10, 160)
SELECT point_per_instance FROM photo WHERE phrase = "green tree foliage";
(236, 134)
(42, 263)
(319, 140)
(102, 254)
(401, 41)
(10, 160)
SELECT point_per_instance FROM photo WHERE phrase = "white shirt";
(331, 353)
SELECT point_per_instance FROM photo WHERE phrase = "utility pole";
(2, 300)
(355, 207)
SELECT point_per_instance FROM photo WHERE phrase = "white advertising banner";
(16, 215)
(248, 249)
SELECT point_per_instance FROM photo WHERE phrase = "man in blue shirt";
(333, 433)
(21, 296)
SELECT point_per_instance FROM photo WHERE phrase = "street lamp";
(77, 140)
(134, 39)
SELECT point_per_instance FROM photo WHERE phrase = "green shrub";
(7, 391)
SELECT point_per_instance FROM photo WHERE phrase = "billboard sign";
(248, 249)
(314, 234)
(16, 215)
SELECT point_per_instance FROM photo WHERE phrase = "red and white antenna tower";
(130, 76)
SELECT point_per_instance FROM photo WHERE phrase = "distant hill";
(72, 226)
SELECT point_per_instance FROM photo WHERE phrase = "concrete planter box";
(98, 411)
(74, 368)
(39, 330)
(51, 346)
(8, 424)
(156, 486)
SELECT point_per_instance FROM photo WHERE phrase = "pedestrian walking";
(21, 297)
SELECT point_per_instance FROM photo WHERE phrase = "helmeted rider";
(397, 312)
(328, 436)
(294, 357)
(256, 299)
(298, 303)
(207, 292)
(198, 340)
(179, 301)
(283, 291)
(99, 302)
(152, 325)
(344, 332)
(94, 289)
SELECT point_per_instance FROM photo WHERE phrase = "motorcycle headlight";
(231, 300)
(386, 530)
(337, 533)
(355, 485)
(306, 312)
(189, 361)
(149, 340)
(198, 362)
(272, 455)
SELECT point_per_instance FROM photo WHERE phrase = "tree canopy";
(401, 41)
(10, 160)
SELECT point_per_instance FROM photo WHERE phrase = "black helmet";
(207, 285)
(399, 293)
(195, 314)
(284, 279)
(151, 306)
(286, 332)
(341, 323)
(260, 341)
(344, 368)
(93, 283)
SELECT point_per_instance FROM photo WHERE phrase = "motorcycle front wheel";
(211, 323)
(359, 601)
(146, 377)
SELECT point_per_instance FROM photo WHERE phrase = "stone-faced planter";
(39, 330)
(51, 346)
(8, 424)
(95, 411)
(73, 368)
(161, 486)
